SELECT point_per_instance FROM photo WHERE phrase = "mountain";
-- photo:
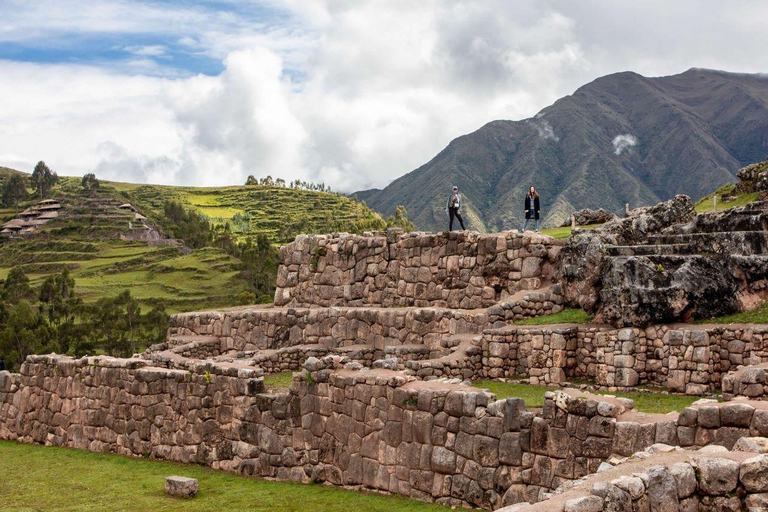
(623, 138)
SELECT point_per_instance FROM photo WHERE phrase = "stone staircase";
(713, 265)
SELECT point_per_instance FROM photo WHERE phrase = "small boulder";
(751, 444)
(181, 486)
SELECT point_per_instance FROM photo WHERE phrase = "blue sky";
(354, 93)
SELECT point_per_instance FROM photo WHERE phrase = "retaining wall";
(685, 359)
(433, 441)
(461, 269)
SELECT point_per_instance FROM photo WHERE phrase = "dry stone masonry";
(460, 269)
(386, 331)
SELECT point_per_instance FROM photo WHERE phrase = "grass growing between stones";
(706, 204)
(281, 380)
(48, 478)
(533, 396)
(565, 232)
(566, 316)
(757, 316)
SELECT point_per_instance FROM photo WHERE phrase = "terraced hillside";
(278, 212)
(86, 238)
(92, 237)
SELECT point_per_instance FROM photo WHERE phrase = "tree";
(251, 180)
(43, 179)
(14, 191)
(16, 286)
(280, 182)
(400, 219)
(90, 184)
(25, 332)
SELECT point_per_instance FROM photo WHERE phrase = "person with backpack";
(454, 208)
(532, 208)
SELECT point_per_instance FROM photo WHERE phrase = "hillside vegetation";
(101, 277)
(280, 213)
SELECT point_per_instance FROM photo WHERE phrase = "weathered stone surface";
(753, 474)
(662, 490)
(182, 487)
(685, 479)
(718, 476)
(584, 504)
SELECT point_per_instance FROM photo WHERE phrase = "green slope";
(278, 212)
(87, 239)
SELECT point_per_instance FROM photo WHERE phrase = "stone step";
(738, 242)
(175, 341)
(650, 250)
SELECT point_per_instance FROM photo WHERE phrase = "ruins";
(387, 331)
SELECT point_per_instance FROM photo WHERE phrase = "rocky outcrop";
(588, 217)
(666, 264)
(753, 178)
(584, 261)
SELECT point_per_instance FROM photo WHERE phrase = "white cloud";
(544, 128)
(351, 93)
(623, 142)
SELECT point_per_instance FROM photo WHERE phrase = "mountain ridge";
(686, 133)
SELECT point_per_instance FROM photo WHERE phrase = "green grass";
(706, 204)
(278, 212)
(566, 316)
(279, 380)
(757, 316)
(565, 232)
(49, 478)
(534, 396)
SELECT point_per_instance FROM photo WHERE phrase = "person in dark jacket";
(532, 208)
(454, 208)
(2, 363)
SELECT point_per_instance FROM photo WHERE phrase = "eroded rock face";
(667, 264)
(753, 178)
(586, 217)
(584, 260)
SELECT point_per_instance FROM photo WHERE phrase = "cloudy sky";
(353, 93)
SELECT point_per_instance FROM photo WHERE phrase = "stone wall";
(461, 269)
(676, 483)
(746, 381)
(685, 359)
(435, 441)
(273, 328)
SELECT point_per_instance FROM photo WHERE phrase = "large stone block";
(182, 487)
(718, 476)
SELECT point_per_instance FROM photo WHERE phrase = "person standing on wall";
(2, 363)
(454, 208)
(532, 208)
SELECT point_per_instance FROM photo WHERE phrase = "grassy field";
(757, 316)
(706, 204)
(534, 396)
(47, 478)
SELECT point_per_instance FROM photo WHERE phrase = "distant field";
(48, 478)
(87, 240)
(278, 212)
